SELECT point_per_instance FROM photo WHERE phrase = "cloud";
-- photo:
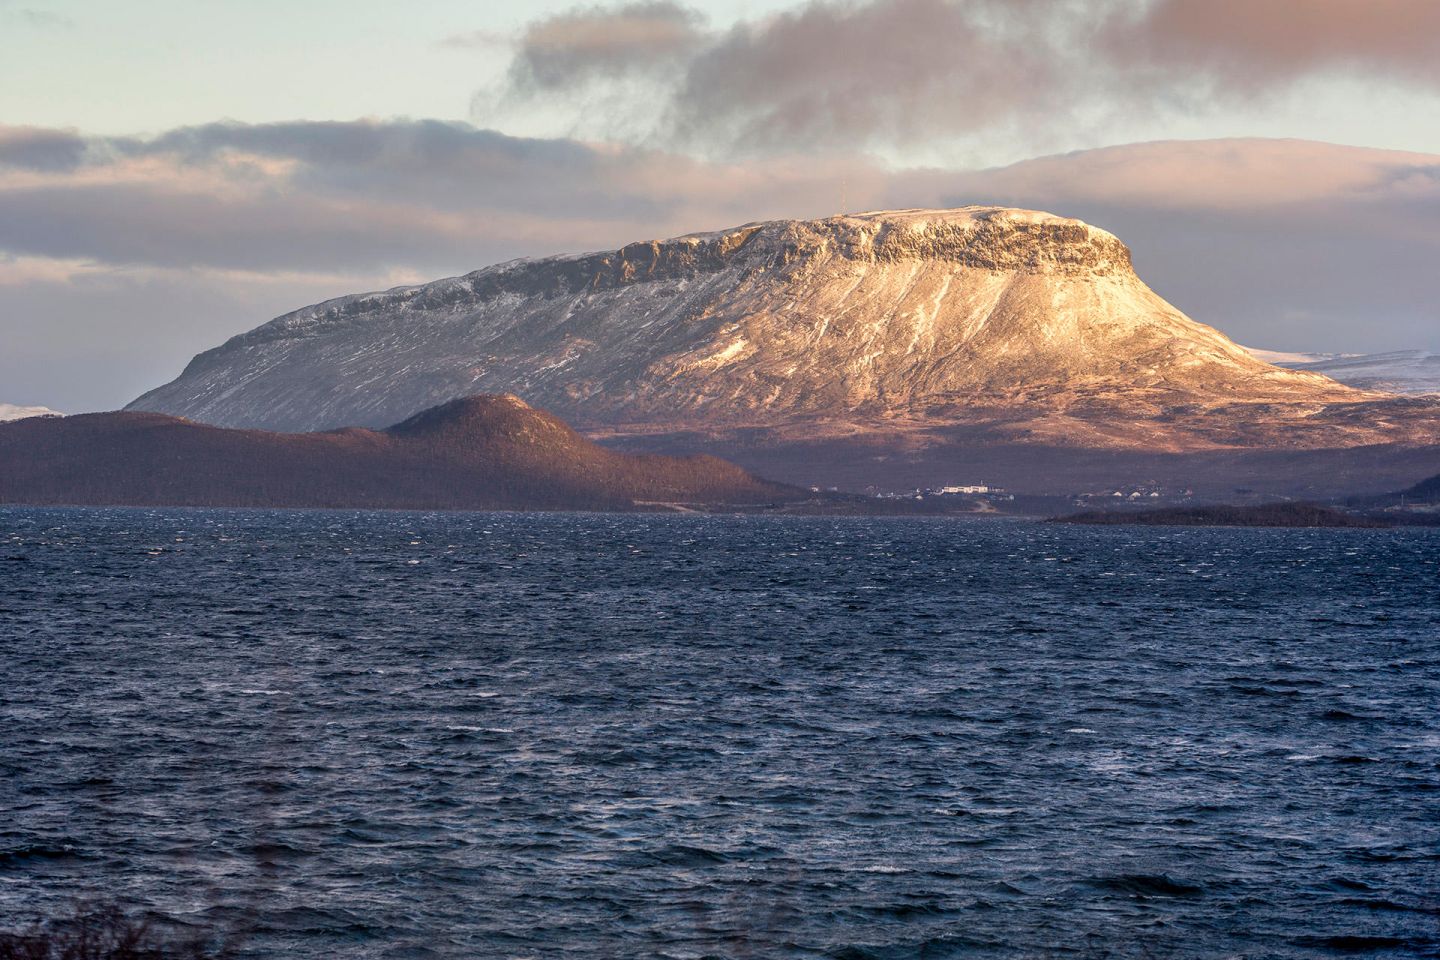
(36, 148)
(592, 71)
(1244, 45)
(477, 40)
(37, 17)
(820, 75)
(884, 75)
(1234, 176)
(26, 271)
(890, 70)
(587, 43)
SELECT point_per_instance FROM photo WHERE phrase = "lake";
(505, 735)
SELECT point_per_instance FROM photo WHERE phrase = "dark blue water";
(404, 735)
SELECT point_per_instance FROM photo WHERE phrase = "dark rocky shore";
(1222, 515)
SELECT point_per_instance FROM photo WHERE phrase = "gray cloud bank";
(122, 257)
(886, 74)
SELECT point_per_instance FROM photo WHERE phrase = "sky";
(174, 173)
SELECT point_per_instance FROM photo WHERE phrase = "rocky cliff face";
(1032, 324)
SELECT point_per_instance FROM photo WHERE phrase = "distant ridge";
(1397, 371)
(479, 452)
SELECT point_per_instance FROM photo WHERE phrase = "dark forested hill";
(479, 452)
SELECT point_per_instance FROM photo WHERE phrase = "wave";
(1150, 885)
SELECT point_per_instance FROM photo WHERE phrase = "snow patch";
(1415, 372)
(9, 411)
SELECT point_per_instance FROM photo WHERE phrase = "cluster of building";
(953, 490)
(969, 488)
(1141, 493)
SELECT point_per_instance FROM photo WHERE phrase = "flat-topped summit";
(999, 238)
(879, 320)
(996, 238)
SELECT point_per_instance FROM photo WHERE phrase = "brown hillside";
(480, 452)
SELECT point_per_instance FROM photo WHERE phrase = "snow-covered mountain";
(1399, 371)
(1031, 324)
(9, 411)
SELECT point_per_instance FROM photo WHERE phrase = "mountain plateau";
(894, 337)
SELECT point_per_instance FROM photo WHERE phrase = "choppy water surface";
(404, 735)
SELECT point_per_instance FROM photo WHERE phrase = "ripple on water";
(412, 735)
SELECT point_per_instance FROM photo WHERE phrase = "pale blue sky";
(146, 66)
(151, 65)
